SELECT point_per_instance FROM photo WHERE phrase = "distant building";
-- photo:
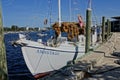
(27, 28)
(39, 29)
(115, 24)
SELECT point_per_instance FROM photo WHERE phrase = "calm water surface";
(17, 68)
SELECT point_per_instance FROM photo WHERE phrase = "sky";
(32, 13)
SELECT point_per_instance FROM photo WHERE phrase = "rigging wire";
(94, 14)
(50, 22)
(38, 62)
(95, 17)
(92, 7)
(50, 12)
(8, 2)
(70, 9)
(75, 9)
(74, 6)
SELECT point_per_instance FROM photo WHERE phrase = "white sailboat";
(40, 58)
(43, 58)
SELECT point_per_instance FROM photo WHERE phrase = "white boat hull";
(40, 58)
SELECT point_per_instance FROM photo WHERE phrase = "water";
(17, 68)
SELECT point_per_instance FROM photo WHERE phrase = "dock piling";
(108, 28)
(103, 29)
(3, 61)
(88, 30)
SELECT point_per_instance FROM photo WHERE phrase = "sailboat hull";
(40, 60)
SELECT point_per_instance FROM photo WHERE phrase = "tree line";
(16, 28)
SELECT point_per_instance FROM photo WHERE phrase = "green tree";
(14, 28)
(6, 29)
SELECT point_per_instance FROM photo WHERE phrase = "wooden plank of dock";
(98, 61)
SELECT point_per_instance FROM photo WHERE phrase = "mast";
(70, 9)
(59, 15)
(59, 12)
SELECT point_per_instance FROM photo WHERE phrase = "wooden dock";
(97, 64)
